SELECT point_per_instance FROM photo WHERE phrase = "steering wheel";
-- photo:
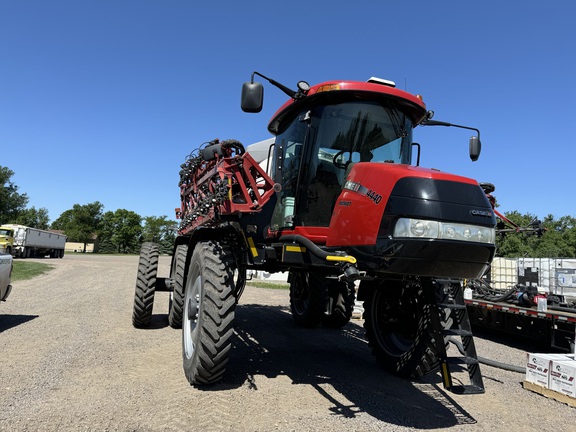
(340, 164)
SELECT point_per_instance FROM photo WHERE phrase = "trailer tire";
(177, 273)
(307, 298)
(145, 285)
(399, 330)
(208, 317)
(340, 298)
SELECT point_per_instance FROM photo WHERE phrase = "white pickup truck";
(5, 274)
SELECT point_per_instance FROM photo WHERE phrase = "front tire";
(399, 330)
(208, 317)
(145, 285)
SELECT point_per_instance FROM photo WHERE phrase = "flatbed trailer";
(554, 327)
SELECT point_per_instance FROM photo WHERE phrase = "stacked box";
(563, 376)
(538, 367)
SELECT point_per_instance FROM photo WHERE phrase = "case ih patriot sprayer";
(339, 206)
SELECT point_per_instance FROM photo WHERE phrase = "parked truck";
(25, 242)
(531, 298)
(521, 297)
(341, 203)
(5, 275)
(524, 311)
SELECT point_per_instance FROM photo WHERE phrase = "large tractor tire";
(315, 299)
(177, 273)
(307, 298)
(145, 285)
(208, 319)
(340, 298)
(399, 330)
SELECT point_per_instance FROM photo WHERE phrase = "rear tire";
(145, 285)
(177, 273)
(208, 317)
(340, 298)
(316, 299)
(307, 298)
(399, 330)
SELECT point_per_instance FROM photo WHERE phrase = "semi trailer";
(26, 242)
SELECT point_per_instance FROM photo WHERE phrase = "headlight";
(420, 228)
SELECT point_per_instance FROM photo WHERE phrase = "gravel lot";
(70, 360)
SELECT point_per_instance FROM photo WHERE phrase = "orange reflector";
(328, 87)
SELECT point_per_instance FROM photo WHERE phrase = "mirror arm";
(441, 123)
(282, 87)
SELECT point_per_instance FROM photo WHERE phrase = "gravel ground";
(70, 360)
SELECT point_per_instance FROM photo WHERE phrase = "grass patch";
(27, 270)
(270, 285)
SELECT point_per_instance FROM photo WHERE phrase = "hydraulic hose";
(319, 252)
(562, 309)
(489, 362)
(504, 296)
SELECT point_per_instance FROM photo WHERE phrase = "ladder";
(449, 303)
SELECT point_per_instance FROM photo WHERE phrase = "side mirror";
(252, 97)
(475, 148)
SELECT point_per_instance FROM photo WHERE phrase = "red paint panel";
(357, 216)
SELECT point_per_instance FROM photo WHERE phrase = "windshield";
(363, 132)
(5, 232)
(321, 144)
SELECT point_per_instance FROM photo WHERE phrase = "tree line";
(557, 239)
(120, 231)
(123, 231)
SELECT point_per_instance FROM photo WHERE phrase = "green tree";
(160, 230)
(120, 231)
(557, 240)
(81, 222)
(11, 202)
(35, 218)
(513, 244)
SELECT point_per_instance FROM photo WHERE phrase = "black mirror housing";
(252, 97)
(475, 148)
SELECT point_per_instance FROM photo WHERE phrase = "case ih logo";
(481, 213)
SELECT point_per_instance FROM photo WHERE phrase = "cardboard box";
(563, 377)
(538, 367)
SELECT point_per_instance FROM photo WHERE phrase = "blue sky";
(102, 100)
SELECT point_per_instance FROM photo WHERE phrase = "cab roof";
(339, 91)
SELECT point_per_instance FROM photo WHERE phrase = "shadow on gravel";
(9, 321)
(158, 321)
(339, 365)
(514, 341)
